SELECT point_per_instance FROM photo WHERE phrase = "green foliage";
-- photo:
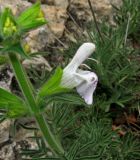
(13, 105)
(14, 48)
(31, 18)
(115, 59)
(85, 133)
(66, 98)
(96, 141)
(116, 70)
(52, 86)
(8, 26)
(3, 60)
(129, 148)
(85, 136)
(130, 13)
(12, 28)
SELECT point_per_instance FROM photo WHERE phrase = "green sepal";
(3, 60)
(3, 16)
(29, 18)
(29, 14)
(15, 48)
(13, 104)
(52, 86)
(30, 26)
(7, 13)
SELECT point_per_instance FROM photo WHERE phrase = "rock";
(7, 152)
(82, 10)
(117, 3)
(6, 76)
(61, 3)
(48, 34)
(4, 131)
(11, 150)
(37, 62)
(80, 16)
(56, 17)
(16, 5)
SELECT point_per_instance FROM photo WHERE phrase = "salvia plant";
(71, 127)
(11, 31)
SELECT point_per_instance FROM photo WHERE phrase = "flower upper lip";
(81, 55)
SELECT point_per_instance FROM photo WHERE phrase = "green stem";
(30, 99)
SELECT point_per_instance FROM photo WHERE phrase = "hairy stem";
(30, 99)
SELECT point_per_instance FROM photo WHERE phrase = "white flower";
(84, 81)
